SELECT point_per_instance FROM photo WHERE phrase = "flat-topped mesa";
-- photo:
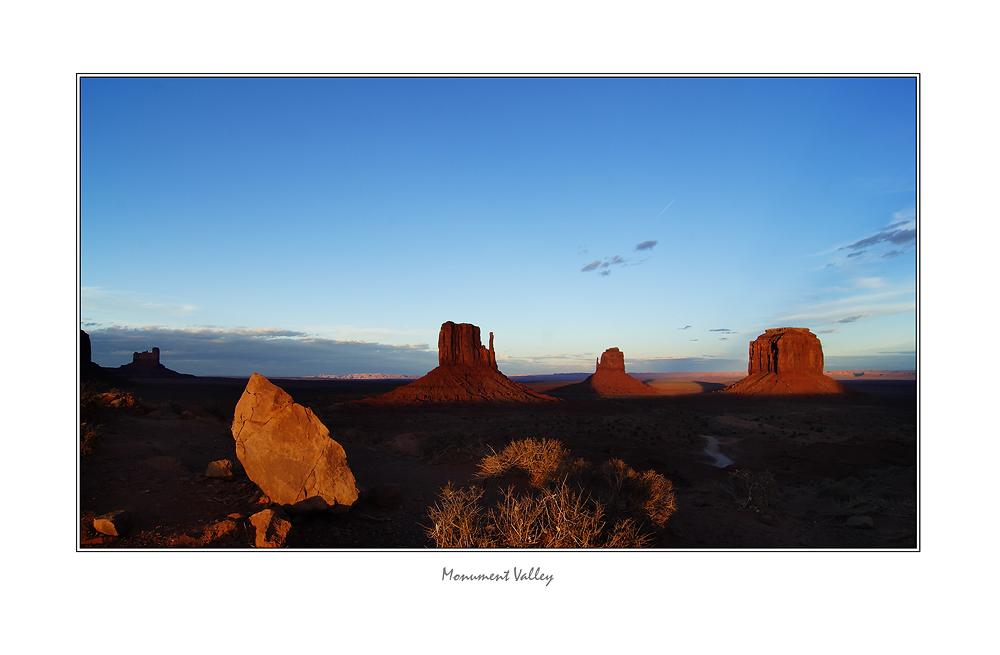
(787, 361)
(147, 365)
(786, 350)
(466, 372)
(460, 344)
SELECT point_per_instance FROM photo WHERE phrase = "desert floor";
(832, 459)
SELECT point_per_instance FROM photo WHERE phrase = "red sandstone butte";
(610, 379)
(466, 372)
(787, 361)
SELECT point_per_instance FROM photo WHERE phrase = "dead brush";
(95, 404)
(541, 461)
(573, 505)
(754, 490)
(646, 495)
(458, 520)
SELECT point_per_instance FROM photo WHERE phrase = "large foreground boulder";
(466, 372)
(787, 361)
(288, 452)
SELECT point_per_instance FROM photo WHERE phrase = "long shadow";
(709, 387)
(573, 391)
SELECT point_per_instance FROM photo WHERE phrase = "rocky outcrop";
(610, 379)
(272, 529)
(787, 361)
(288, 452)
(90, 371)
(115, 523)
(612, 361)
(459, 344)
(146, 365)
(466, 372)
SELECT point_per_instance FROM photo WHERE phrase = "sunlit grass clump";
(571, 503)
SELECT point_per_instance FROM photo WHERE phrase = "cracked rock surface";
(288, 452)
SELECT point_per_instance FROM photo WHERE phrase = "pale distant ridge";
(369, 376)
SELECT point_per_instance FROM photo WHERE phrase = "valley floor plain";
(833, 459)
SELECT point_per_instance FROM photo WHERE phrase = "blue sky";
(329, 226)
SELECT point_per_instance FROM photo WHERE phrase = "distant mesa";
(147, 365)
(785, 362)
(466, 372)
(610, 379)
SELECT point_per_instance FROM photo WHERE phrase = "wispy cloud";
(891, 299)
(686, 327)
(97, 299)
(617, 260)
(902, 231)
(646, 245)
(852, 318)
(723, 330)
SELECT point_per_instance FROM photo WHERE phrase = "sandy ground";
(832, 459)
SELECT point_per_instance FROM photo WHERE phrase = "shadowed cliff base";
(610, 379)
(466, 372)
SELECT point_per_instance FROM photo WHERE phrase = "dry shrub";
(459, 521)
(541, 461)
(648, 494)
(574, 505)
(755, 490)
(95, 404)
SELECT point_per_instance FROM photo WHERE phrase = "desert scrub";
(542, 461)
(572, 504)
(458, 520)
(754, 490)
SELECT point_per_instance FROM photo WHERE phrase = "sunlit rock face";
(610, 378)
(612, 360)
(288, 452)
(466, 372)
(459, 344)
(787, 361)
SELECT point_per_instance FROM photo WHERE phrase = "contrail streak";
(665, 208)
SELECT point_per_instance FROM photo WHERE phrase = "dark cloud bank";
(270, 352)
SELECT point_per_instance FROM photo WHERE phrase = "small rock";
(273, 528)
(114, 523)
(220, 468)
(863, 522)
(224, 530)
